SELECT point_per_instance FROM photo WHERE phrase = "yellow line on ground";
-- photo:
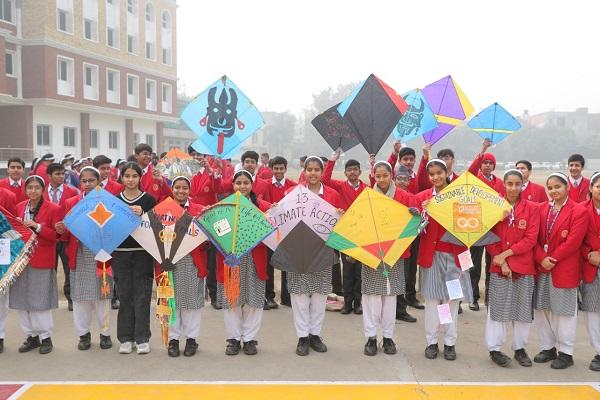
(307, 391)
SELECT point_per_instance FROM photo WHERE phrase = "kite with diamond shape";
(373, 109)
(101, 222)
(449, 104)
(417, 120)
(223, 118)
(336, 131)
(494, 123)
(375, 229)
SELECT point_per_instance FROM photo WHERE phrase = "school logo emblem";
(522, 224)
(564, 234)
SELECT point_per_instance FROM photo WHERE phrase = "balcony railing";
(7, 153)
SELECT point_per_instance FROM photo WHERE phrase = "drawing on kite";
(221, 115)
(411, 120)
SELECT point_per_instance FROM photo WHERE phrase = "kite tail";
(18, 265)
(163, 311)
(231, 284)
(171, 301)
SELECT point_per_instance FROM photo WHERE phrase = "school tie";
(55, 196)
(16, 184)
(279, 184)
(575, 183)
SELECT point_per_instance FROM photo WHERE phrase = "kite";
(373, 109)
(222, 117)
(375, 229)
(336, 131)
(17, 244)
(303, 222)
(494, 123)
(235, 226)
(468, 208)
(449, 104)
(177, 163)
(417, 120)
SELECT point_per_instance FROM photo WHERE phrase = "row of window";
(91, 91)
(44, 137)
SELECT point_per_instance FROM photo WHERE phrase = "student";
(188, 282)
(86, 294)
(531, 190)
(302, 177)
(512, 274)
(58, 193)
(132, 267)
(152, 182)
(249, 163)
(102, 164)
(447, 156)
(35, 293)
(71, 177)
(578, 184)
(14, 181)
(309, 291)
(264, 169)
(438, 263)
(406, 156)
(243, 319)
(563, 225)
(590, 286)
(42, 165)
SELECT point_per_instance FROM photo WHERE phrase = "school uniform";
(159, 189)
(579, 189)
(417, 179)
(35, 293)
(309, 291)
(111, 186)
(16, 187)
(264, 172)
(259, 186)
(590, 285)
(8, 200)
(533, 192)
(555, 298)
(510, 300)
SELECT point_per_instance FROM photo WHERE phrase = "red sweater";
(274, 194)
(535, 193)
(347, 193)
(417, 182)
(264, 172)
(113, 187)
(591, 242)
(49, 214)
(580, 193)
(495, 183)
(19, 192)
(8, 200)
(521, 237)
(202, 190)
(157, 188)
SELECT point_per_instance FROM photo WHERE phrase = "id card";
(545, 248)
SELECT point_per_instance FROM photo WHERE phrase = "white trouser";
(592, 322)
(379, 311)
(496, 333)
(242, 323)
(83, 312)
(432, 323)
(3, 313)
(556, 331)
(309, 313)
(37, 323)
(187, 324)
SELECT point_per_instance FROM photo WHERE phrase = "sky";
(534, 55)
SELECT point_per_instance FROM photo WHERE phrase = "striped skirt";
(590, 295)
(188, 286)
(432, 281)
(34, 290)
(559, 301)
(316, 282)
(252, 288)
(376, 284)
(85, 285)
(511, 299)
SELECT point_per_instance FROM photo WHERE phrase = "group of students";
(549, 248)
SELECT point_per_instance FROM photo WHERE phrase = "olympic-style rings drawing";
(467, 223)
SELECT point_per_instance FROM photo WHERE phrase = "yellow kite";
(374, 229)
(468, 208)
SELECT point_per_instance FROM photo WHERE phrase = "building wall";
(57, 118)
(105, 123)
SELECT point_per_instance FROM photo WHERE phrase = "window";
(133, 91)
(43, 135)
(131, 6)
(132, 44)
(150, 50)
(90, 80)
(69, 136)
(166, 20)
(113, 86)
(166, 56)
(112, 37)
(113, 139)
(149, 13)
(65, 85)
(94, 138)
(64, 17)
(6, 10)
(90, 29)
(9, 62)
(150, 95)
(150, 140)
(166, 98)
(136, 139)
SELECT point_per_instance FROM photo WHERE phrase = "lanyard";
(550, 226)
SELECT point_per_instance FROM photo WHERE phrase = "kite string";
(231, 278)
(380, 252)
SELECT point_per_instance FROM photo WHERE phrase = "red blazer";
(202, 190)
(18, 191)
(431, 237)
(41, 170)
(418, 182)
(264, 172)
(591, 241)
(67, 193)
(580, 193)
(347, 193)
(113, 187)
(274, 194)
(535, 193)
(521, 237)
(259, 254)
(495, 183)
(159, 189)
(564, 243)
(8, 200)
(49, 214)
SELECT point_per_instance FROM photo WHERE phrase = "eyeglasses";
(86, 181)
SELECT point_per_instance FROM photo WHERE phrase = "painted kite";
(494, 123)
(417, 120)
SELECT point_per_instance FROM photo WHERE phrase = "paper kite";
(417, 120)
(494, 123)
(336, 131)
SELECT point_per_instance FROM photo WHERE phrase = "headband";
(513, 171)
(90, 168)
(180, 177)
(30, 177)
(382, 163)
(314, 158)
(560, 175)
(436, 160)
(594, 175)
(244, 172)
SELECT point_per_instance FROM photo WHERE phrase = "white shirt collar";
(575, 181)
(525, 185)
(144, 170)
(19, 182)
(354, 187)
(274, 180)
(320, 193)
(104, 183)
(51, 188)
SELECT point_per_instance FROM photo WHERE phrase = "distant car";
(536, 164)
(546, 165)
(556, 166)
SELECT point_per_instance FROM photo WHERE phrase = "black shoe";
(347, 309)
(357, 308)
(286, 303)
(406, 317)
(545, 356)
(233, 347)
(432, 351)
(105, 342)
(595, 364)
(522, 358)
(460, 307)
(115, 304)
(32, 342)
(414, 303)
(389, 347)
(173, 349)
(562, 361)
(215, 304)
(70, 306)
(371, 346)
(85, 342)
(190, 347)
(317, 344)
(474, 306)
(46, 346)
(266, 305)
(302, 348)
(500, 358)
(272, 304)
(1, 346)
(449, 353)
(250, 347)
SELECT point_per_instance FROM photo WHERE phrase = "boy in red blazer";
(14, 181)
(152, 182)
(578, 184)
(531, 191)
(102, 164)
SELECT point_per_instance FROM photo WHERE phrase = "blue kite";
(418, 119)
(101, 222)
(223, 118)
(494, 123)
